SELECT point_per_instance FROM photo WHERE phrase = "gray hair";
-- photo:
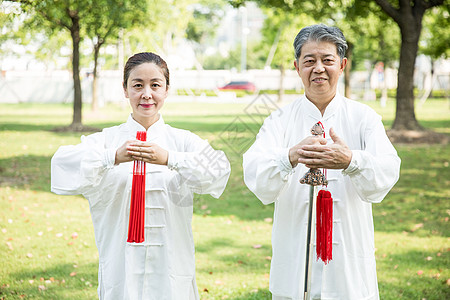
(320, 33)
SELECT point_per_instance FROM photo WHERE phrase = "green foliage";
(362, 22)
(436, 34)
(47, 241)
(107, 17)
(55, 15)
(372, 42)
(8, 14)
(206, 17)
(279, 30)
(219, 62)
(164, 27)
(255, 58)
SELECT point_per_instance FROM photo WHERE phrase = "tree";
(206, 17)
(64, 15)
(103, 21)
(374, 44)
(202, 27)
(436, 36)
(435, 40)
(7, 13)
(329, 12)
(97, 19)
(280, 28)
(408, 15)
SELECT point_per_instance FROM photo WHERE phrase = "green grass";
(47, 243)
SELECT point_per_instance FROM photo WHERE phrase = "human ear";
(343, 63)
(125, 91)
(296, 66)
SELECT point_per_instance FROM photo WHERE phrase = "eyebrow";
(142, 80)
(313, 55)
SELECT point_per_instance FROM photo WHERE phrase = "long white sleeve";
(79, 169)
(266, 163)
(203, 169)
(374, 170)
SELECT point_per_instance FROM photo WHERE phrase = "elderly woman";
(179, 163)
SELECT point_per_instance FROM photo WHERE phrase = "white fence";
(57, 86)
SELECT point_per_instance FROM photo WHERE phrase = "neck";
(320, 103)
(146, 123)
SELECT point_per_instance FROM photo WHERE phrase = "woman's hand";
(143, 151)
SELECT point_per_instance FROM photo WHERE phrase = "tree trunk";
(405, 118)
(347, 70)
(94, 104)
(281, 89)
(430, 95)
(384, 90)
(77, 102)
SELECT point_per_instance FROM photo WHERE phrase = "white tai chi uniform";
(163, 267)
(373, 171)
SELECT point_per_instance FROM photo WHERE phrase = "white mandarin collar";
(152, 132)
(330, 110)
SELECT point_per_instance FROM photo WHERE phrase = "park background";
(51, 92)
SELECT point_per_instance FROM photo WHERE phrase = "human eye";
(308, 61)
(137, 85)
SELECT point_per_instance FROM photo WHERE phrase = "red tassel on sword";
(137, 206)
(324, 226)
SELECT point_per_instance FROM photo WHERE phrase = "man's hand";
(294, 152)
(144, 151)
(334, 156)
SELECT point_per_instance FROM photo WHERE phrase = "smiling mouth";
(319, 79)
(146, 105)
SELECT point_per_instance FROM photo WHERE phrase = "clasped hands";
(143, 151)
(314, 153)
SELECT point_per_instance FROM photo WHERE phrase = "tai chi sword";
(313, 177)
(309, 242)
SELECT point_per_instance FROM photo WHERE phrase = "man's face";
(319, 67)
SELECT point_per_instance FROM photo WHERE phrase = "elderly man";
(362, 166)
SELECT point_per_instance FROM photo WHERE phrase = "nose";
(146, 93)
(319, 68)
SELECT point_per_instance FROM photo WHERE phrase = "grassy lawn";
(47, 242)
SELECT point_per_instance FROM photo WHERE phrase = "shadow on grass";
(56, 129)
(419, 201)
(241, 203)
(411, 284)
(243, 255)
(26, 172)
(255, 295)
(25, 127)
(60, 284)
(445, 123)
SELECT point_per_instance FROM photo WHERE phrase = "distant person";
(362, 167)
(179, 163)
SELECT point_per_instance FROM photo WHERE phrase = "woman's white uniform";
(163, 267)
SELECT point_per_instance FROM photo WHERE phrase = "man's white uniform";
(373, 171)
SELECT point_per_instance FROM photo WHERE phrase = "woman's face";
(147, 89)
